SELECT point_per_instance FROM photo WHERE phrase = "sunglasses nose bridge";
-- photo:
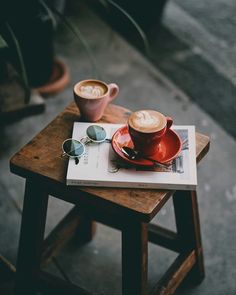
(85, 140)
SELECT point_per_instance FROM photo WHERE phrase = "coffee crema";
(91, 89)
(147, 121)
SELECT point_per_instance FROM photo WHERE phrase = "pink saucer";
(169, 147)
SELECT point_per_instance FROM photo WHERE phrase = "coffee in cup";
(146, 129)
(91, 89)
(92, 96)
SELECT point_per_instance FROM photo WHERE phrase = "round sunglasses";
(76, 148)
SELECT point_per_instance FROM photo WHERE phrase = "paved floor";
(196, 49)
(207, 66)
(211, 27)
(142, 85)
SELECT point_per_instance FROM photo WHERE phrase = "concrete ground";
(207, 66)
(143, 84)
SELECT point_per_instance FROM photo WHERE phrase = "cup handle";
(113, 91)
(169, 122)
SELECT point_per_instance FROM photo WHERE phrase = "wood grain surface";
(41, 158)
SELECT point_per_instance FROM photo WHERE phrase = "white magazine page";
(100, 166)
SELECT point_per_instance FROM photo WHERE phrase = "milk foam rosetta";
(147, 121)
(91, 90)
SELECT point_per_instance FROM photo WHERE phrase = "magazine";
(101, 166)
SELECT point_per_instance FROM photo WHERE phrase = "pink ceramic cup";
(146, 137)
(92, 96)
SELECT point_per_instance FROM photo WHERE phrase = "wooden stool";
(130, 210)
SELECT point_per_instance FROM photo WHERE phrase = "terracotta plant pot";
(59, 79)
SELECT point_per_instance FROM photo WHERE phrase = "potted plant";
(32, 24)
(28, 32)
(28, 24)
(14, 92)
(26, 48)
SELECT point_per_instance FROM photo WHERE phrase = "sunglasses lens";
(73, 148)
(96, 133)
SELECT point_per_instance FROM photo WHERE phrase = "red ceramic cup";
(92, 96)
(147, 132)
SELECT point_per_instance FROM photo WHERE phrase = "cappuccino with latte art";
(146, 129)
(147, 121)
(92, 96)
(91, 89)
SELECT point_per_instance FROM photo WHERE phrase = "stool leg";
(134, 259)
(188, 229)
(86, 230)
(31, 238)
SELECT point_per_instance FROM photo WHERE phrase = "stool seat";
(129, 210)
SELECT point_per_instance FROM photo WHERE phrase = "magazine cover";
(101, 166)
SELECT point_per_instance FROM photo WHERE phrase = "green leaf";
(130, 18)
(3, 43)
(104, 3)
(49, 12)
(21, 63)
(82, 39)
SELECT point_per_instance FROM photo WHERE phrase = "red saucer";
(169, 147)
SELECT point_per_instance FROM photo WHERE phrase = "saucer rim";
(134, 162)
